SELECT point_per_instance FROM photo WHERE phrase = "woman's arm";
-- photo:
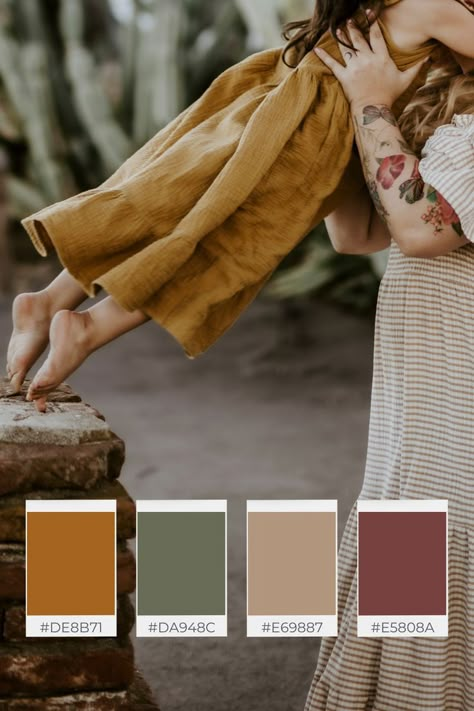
(416, 216)
(420, 220)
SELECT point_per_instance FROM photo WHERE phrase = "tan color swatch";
(292, 563)
(71, 562)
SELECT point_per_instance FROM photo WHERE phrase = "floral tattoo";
(379, 206)
(440, 213)
(391, 167)
(375, 135)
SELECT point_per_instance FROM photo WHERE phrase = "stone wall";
(68, 452)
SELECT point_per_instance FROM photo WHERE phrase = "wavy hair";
(447, 91)
(329, 15)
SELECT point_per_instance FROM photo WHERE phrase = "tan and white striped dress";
(420, 445)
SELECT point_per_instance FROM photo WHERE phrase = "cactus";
(24, 76)
(84, 83)
(91, 102)
(168, 91)
(263, 22)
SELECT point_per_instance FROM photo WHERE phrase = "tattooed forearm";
(440, 213)
(413, 189)
(368, 142)
(406, 148)
(391, 172)
(379, 206)
(373, 113)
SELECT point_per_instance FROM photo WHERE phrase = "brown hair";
(330, 15)
(447, 91)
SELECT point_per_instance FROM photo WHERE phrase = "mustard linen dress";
(420, 446)
(193, 224)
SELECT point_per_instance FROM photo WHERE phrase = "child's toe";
(40, 403)
(16, 380)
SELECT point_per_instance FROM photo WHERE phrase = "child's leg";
(73, 337)
(32, 314)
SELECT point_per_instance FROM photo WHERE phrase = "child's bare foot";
(31, 321)
(71, 341)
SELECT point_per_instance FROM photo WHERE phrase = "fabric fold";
(192, 225)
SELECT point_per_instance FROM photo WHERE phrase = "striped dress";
(420, 445)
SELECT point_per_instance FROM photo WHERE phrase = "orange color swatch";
(71, 560)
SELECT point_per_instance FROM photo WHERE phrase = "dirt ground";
(235, 425)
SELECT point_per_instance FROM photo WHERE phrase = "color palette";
(402, 568)
(71, 568)
(181, 568)
(291, 568)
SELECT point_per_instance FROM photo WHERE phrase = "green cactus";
(82, 87)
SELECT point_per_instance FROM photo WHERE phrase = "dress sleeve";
(447, 163)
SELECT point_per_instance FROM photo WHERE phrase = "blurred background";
(84, 83)
(279, 407)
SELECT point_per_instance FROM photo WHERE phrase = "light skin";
(448, 22)
(412, 22)
(49, 316)
(395, 202)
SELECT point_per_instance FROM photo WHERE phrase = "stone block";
(138, 697)
(99, 701)
(66, 666)
(12, 509)
(14, 622)
(64, 423)
(25, 467)
(63, 393)
(12, 571)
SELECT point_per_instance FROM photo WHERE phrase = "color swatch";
(402, 567)
(181, 568)
(292, 568)
(70, 568)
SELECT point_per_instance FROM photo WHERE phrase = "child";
(187, 231)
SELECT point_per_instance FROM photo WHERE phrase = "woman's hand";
(369, 75)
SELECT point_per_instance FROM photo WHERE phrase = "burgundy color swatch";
(402, 563)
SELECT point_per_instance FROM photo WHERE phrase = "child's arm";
(354, 226)
(451, 23)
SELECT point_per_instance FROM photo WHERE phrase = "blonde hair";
(447, 91)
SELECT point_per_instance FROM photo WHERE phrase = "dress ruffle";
(447, 163)
(374, 674)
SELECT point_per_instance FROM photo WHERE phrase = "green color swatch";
(181, 563)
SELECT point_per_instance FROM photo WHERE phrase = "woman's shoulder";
(452, 138)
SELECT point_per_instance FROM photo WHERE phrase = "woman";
(421, 427)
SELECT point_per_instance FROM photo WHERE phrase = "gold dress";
(194, 223)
